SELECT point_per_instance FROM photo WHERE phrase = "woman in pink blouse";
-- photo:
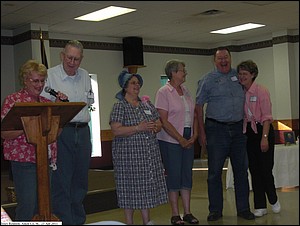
(260, 143)
(176, 108)
(17, 150)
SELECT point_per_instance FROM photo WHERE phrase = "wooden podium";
(41, 122)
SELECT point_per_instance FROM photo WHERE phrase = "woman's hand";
(264, 145)
(148, 126)
(60, 96)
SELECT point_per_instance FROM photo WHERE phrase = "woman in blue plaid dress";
(138, 168)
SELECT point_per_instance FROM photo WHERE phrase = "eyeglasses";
(184, 71)
(37, 81)
(72, 58)
(135, 83)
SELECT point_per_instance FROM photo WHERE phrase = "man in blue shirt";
(222, 136)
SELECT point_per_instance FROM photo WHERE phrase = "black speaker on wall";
(133, 51)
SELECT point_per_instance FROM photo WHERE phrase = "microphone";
(54, 93)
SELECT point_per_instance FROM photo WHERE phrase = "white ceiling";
(161, 21)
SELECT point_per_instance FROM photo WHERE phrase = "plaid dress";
(138, 168)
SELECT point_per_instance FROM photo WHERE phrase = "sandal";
(190, 219)
(176, 220)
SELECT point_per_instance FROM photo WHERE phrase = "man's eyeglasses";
(37, 81)
(71, 58)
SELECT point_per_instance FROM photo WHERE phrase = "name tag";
(90, 94)
(253, 98)
(147, 112)
(234, 78)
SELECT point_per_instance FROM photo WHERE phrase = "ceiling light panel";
(106, 13)
(238, 28)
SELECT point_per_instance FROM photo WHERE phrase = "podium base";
(51, 217)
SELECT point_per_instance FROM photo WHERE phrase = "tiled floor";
(289, 199)
(289, 214)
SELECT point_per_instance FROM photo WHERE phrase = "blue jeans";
(70, 180)
(25, 182)
(227, 141)
(178, 163)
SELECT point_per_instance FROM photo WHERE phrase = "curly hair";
(31, 66)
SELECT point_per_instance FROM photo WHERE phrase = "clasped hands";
(150, 126)
(187, 143)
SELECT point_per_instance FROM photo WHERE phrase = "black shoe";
(213, 216)
(247, 215)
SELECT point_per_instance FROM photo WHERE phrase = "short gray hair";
(171, 66)
(74, 43)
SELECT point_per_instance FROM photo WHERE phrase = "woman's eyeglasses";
(184, 71)
(37, 81)
(135, 83)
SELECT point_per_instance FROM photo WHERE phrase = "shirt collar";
(171, 88)
(252, 88)
(64, 75)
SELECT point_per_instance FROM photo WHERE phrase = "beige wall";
(107, 64)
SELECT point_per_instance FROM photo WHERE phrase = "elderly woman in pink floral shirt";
(17, 150)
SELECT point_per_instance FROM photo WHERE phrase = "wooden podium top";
(66, 111)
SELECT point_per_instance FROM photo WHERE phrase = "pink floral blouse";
(18, 149)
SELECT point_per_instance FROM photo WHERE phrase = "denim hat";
(123, 78)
